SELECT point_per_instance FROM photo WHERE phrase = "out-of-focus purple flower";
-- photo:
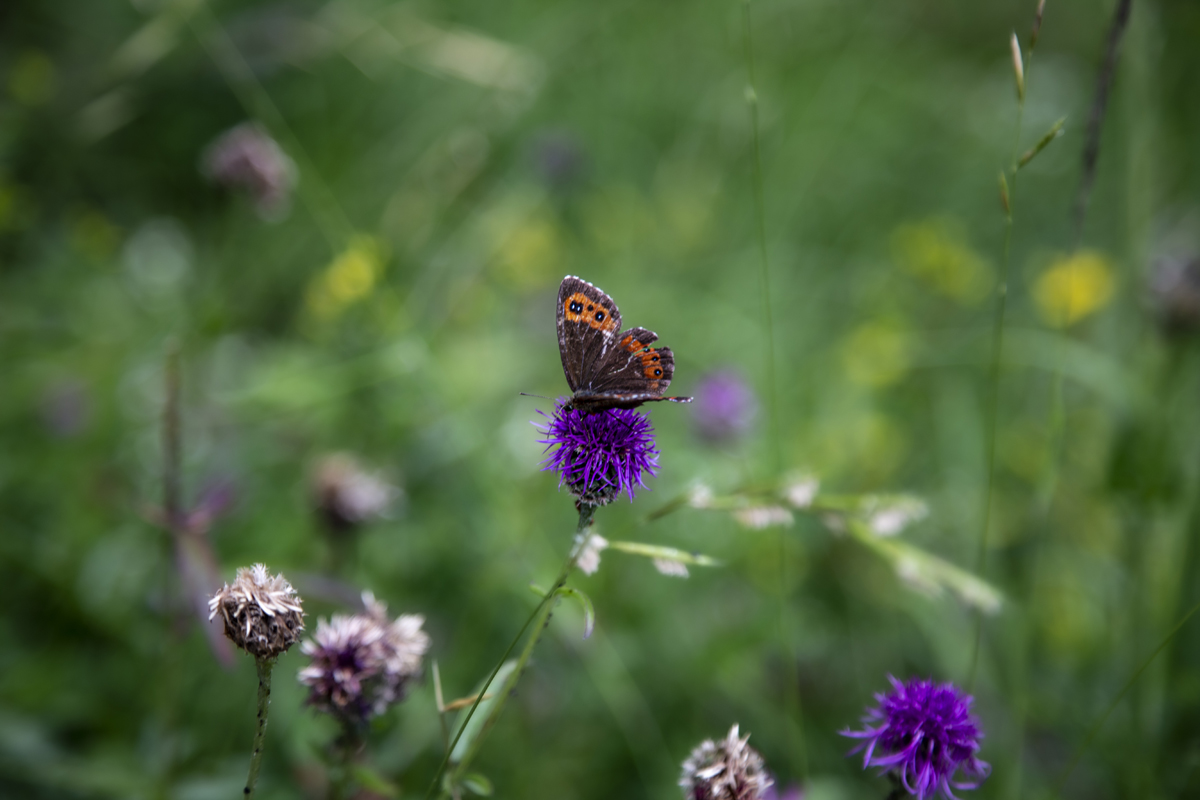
(725, 406)
(248, 159)
(924, 733)
(1175, 294)
(599, 455)
(66, 408)
(363, 663)
(792, 792)
(558, 159)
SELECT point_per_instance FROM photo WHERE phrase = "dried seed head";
(347, 496)
(725, 770)
(261, 611)
(1037, 24)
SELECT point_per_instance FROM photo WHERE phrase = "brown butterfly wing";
(587, 321)
(633, 373)
(632, 365)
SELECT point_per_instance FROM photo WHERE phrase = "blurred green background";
(452, 161)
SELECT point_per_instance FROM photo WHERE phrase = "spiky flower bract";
(363, 663)
(600, 455)
(261, 612)
(726, 770)
(924, 733)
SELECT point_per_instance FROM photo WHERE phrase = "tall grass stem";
(1095, 729)
(997, 349)
(791, 693)
(760, 215)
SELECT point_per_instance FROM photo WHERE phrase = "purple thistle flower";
(725, 406)
(601, 455)
(925, 733)
(363, 663)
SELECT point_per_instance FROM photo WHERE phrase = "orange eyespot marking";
(574, 305)
(578, 308)
(652, 372)
(630, 344)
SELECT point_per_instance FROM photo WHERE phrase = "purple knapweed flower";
(247, 158)
(924, 733)
(725, 406)
(362, 663)
(599, 455)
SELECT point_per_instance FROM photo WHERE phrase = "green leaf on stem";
(589, 611)
(477, 784)
(481, 714)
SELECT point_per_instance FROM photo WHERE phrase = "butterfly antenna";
(527, 394)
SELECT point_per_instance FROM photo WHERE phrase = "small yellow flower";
(1074, 287)
(936, 252)
(876, 355)
(351, 276)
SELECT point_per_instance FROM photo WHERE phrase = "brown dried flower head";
(725, 770)
(363, 663)
(261, 611)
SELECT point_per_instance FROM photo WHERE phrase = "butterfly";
(606, 367)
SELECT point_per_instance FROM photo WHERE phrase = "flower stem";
(542, 615)
(264, 667)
